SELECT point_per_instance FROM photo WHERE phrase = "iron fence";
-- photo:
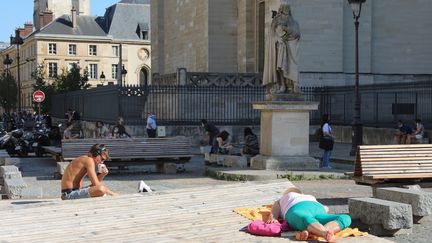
(381, 105)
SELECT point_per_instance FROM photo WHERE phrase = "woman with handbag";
(326, 141)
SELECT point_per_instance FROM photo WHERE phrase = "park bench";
(130, 151)
(383, 163)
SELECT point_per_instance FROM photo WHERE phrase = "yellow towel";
(341, 234)
(256, 213)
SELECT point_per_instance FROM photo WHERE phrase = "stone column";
(284, 135)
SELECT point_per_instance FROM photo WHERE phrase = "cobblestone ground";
(334, 193)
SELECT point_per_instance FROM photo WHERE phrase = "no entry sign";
(38, 96)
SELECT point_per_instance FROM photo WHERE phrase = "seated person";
(119, 131)
(418, 134)
(403, 132)
(222, 145)
(304, 213)
(73, 177)
(67, 133)
(251, 146)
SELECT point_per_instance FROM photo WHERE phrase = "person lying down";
(304, 213)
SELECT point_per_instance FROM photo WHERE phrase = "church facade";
(228, 36)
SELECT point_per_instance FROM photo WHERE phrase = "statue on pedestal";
(281, 55)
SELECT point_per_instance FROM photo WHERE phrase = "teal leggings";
(302, 214)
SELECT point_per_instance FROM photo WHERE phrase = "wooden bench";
(133, 151)
(54, 151)
(381, 163)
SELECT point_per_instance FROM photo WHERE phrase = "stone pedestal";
(284, 135)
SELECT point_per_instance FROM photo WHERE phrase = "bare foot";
(303, 235)
(330, 237)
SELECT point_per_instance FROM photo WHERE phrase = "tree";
(8, 91)
(71, 80)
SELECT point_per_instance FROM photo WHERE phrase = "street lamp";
(357, 126)
(102, 78)
(17, 40)
(7, 62)
(124, 72)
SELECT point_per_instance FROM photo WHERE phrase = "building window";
(115, 51)
(93, 71)
(114, 71)
(92, 50)
(72, 49)
(144, 35)
(52, 48)
(52, 69)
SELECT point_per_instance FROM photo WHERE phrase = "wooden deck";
(186, 215)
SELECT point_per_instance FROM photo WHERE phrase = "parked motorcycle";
(15, 144)
(40, 139)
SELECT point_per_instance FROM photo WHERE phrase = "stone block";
(10, 175)
(235, 161)
(61, 167)
(392, 216)
(216, 158)
(166, 168)
(8, 168)
(31, 193)
(13, 161)
(261, 162)
(14, 187)
(420, 201)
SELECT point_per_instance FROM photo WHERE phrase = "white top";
(291, 199)
(326, 129)
(151, 122)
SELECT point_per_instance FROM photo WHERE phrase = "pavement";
(38, 172)
(326, 185)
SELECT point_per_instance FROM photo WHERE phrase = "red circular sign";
(38, 96)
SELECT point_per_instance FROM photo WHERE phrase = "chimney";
(74, 17)
(20, 31)
(28, 28)
(47, 17)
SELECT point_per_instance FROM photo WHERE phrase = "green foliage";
(302, 177)
(71, 80)
(219, 175)
(8, 91)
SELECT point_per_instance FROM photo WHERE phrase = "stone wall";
(393, 38)
(371, 135)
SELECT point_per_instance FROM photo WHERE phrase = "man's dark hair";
(204, 121)
(224, 135)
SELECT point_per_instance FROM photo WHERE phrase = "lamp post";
(123, 73)
(7, 62)
(102, 78)
(357, 126)
(17, 40)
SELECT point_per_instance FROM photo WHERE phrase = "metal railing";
(381, 105)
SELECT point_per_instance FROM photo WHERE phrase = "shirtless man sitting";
(73, 177)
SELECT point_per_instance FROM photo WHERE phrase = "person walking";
(151, 125)
(326, 141)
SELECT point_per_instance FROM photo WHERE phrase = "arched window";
(144, 76)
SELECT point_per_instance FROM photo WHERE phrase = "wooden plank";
(190, 215)
(400, 176)
(393, 146)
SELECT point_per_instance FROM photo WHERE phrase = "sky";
(14, 13)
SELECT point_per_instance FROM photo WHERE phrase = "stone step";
(383, 217)
(420, 201)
